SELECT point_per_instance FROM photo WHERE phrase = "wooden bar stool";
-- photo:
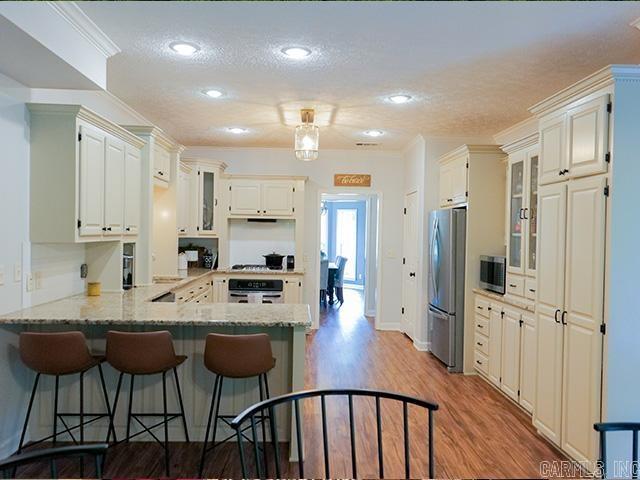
(236, 356)
(58, 354)
(146, 353)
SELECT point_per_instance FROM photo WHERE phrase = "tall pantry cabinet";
(573, 192)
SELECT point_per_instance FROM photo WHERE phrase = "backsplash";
(249, 241)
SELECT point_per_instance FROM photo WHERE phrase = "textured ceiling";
(472, 67)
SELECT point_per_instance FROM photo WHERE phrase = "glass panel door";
(515, 217)
(208, 201)
(532, 214)
(346, 239)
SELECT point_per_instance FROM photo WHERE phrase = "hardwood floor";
(478, 432)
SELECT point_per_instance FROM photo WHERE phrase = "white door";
(91, 195)
(586, 205)
(459, 180)
(495, 344)
(133, 186)
(277, 198)
(511, 354)
(588, 133)
(183, 202)
(528, 354)
(553, 154)
(246, 197)
(114, 187)
(552, 220)
(410, 267)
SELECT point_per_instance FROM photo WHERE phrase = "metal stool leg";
(263, 427)
(130, 406)
(81, 421)
(111, 428)
(115, 406)
(55, 411)
(184, 418)
(206, 435)
(166, 423)
(26, 418)
(216, 414)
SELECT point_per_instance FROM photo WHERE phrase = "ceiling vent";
(367, 144)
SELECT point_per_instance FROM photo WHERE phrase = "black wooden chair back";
(9, 465)
(247, 420)
(603, 428)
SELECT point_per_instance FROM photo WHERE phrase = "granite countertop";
(134, 307)
(507, 299)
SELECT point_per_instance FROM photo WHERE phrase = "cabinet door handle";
(479, 307)
(532, 290)
(479, 326)
(555, 316)
(478, 362)
(524, 214)
(479, 344)
(128, 229)
(520, 214)
(258, 211)
(512, 285)
(565, 171)
(104, 229)
(563, 318)
(161, 173)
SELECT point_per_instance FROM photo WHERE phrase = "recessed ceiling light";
(297, 53)
(213, 93)
(400, 98)
(374, 133)
(237, 130)
(184, 48)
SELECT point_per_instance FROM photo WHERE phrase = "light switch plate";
(29, 282)
(17, 273)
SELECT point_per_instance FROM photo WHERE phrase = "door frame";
(362, 208)
(369, 196)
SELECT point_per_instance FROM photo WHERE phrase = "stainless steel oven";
(256, 290)
(493, 273)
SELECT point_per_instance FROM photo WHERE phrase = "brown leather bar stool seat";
(146, 353)
(236, 356)
(58, 354)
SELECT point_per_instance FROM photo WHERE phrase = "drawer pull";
(479, 344)
(489, 308)
(512, 285)
(479, 326)
(478, 362)
(532, 290)
(480, 308)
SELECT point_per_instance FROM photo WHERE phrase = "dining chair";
(603, 429)
(324, 280)
(339, 278)
(249, 416)
(98, 451)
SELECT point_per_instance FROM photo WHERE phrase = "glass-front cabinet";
(207, 200)
(523, 199)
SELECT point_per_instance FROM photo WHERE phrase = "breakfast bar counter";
(189, 324)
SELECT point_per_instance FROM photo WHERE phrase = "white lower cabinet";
(220, 289)
(506, 349)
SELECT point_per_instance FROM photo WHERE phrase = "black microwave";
(493, 273)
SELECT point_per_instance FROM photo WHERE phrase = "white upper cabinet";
(85, 176)
(261, 197)
(198, 197)
(553, 155)
(277, 198)
(133, 187)
(161, 164)
(245, 197)
(91, 189)
(208, 201)
(114, 188)
(183, 210)
(453, 180)
(574, 141)
(588, 126)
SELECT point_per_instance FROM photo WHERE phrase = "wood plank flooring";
(478, 433)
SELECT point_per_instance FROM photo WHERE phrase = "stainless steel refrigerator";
(447, 233)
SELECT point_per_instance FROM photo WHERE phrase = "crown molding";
(602, 78)
(83, 113)
(79, 20)
(525, 142)
(468, 149)
(191, 161)
(125, 107)
(519, 130)
(161, 138)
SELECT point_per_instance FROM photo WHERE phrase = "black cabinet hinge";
(404, 260)
(299, 284)
(79, 136)
(403, 310)
(521, 322)
(198, 228)
(603, 328)
(518, 392)
(607, 157)
(501, 314)
(609, 107)
(79, 223)
(606, 191)
(404, 211)
(229, 187)
(466, 194)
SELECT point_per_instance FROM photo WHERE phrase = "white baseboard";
(370, 313)
(394, 327)
(422, 346)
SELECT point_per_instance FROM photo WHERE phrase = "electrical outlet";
(38, 277)
(29, 282)
(17, 273)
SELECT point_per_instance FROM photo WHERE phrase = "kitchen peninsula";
(189, 323)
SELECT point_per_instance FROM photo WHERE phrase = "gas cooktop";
(253, 268)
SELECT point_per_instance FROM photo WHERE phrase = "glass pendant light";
(307, 137)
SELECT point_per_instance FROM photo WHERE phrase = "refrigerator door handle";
(435, 252)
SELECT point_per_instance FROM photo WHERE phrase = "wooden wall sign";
(351, 180)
